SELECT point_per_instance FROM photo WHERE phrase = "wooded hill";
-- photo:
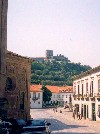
(56, 72)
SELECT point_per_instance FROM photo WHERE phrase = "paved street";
(64, 123)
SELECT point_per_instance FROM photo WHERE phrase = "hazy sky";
(68, 27)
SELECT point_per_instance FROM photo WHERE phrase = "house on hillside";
(36, 96)
(86, 88)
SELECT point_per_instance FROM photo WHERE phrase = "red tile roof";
(65, 89)
(53, 89)
(36, 88)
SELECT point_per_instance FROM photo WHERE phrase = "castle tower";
(49, 54)
(3, 44)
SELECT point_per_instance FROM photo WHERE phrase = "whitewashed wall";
(38, 102)
(91, 77)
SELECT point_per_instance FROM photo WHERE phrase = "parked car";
(17, 125)
(8, 125)
(36, 126)
(5, 127)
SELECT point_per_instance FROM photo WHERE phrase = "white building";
(63, 95)
(36, 96)
(54, 97)
(86, 88)
(60, 95)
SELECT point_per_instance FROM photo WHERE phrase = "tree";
(56, 73)
(46, 94)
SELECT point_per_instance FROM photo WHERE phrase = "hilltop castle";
(50, 57)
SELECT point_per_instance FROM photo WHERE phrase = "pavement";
(64, 123)
(68, 115)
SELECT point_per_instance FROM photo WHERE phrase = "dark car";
(5, 127)
(36, 126)
(17, 125)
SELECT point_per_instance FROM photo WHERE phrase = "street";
(64, 123)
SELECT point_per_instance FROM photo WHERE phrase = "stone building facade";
(17, 91)
(3, 50)
(14, 76)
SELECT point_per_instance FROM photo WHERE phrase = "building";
(14, 76)
(86, 88)
(17, 93)
(38, 59)
(3, 50)
(49, 54)
(36, 96)
(49, 57)
(54, 97)
(61, 96)
(65, 96)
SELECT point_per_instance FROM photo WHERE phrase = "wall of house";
(36, 100)
(92, 99)
(65, 96)
(54, 98)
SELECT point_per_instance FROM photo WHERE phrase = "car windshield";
(20, 121)
(37, 123)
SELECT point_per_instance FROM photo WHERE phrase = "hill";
(56, 72)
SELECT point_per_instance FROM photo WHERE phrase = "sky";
(68, 27)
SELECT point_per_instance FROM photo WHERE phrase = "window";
(34, 95)
(66, 96)
(98, 112)
(70, 99)
(91, 88)
(54, 96)
(82, 89)
(78, 89)
(38, 95)
(10, 84)
(87, 87)
(99, 85)
(22, 99)
(39, 102)
(62, 96)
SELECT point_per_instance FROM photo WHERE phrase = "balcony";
(87, 99)
(35, 98)
(91, 95)
(74, 95)
(79, 95)
(97, 94)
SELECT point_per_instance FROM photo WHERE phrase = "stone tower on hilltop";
(49, 54)
(3, 44)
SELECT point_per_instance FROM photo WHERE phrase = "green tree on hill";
(56, 73)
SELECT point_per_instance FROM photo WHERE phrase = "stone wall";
(18, 71)
(3, 44)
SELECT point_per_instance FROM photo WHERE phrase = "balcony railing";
(91, 95)
(35, 98)
(74, 95)
(97, 94)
